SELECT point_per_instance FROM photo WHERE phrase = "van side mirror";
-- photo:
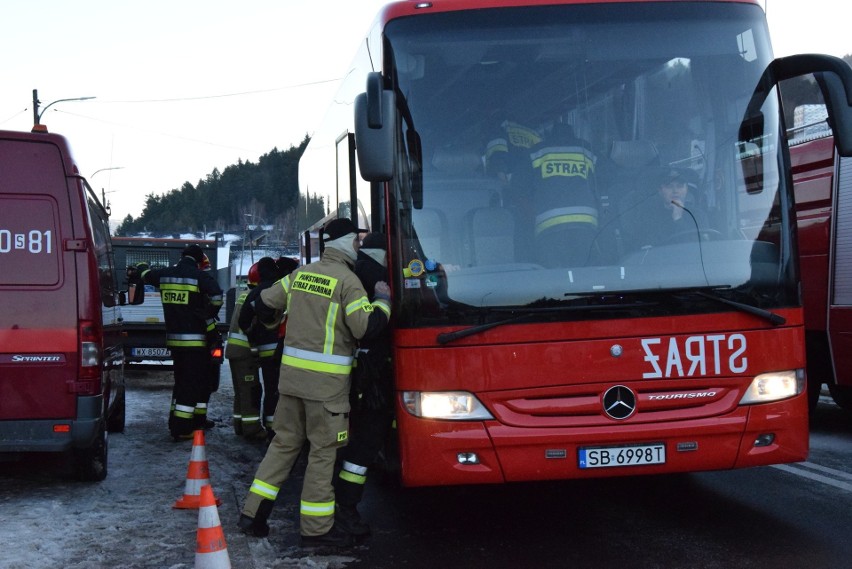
(136, 292)
(375, 130)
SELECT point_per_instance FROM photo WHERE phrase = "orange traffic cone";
(197, 475)
(211, 551)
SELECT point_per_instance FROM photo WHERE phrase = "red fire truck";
(559, 311)
(821, 182)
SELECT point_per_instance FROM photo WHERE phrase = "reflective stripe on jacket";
(327, 312)
(238, 346)
(190, 298)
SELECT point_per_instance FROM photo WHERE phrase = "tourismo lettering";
(695, 356)
(313, 283)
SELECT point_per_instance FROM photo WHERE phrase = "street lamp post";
(37, 115)
(104, 169)
(103, 192)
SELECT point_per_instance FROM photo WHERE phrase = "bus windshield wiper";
(447, 337)
(771, 317)
(528, 312)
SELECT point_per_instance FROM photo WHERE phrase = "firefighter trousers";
(270, 370)
(370, 429)
(325, 425)
(191, 391)
(247, 392)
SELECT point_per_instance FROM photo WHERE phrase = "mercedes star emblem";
(619, 402)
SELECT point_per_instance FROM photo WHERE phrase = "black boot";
(257, 526)
(348, 518)
(335, 537)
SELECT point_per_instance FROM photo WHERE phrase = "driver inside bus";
(675, 215)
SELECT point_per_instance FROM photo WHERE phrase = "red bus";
(820, 178)
(515, 152)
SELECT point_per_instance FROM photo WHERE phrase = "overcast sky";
(186, 86)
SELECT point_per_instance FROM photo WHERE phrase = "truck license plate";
(150, 352)
(627, 455)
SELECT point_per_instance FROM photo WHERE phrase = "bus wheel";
(91, 462)
(842, 395)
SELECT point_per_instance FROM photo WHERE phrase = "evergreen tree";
(268, 189)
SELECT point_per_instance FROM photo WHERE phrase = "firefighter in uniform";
(214, 344)
(371, 398)
(564, 199)
(191, 297)
(327, 312)
(264, 343)
(272, 367)
(243, 360)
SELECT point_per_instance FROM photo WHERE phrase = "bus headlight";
(452, 405)
(774, 386)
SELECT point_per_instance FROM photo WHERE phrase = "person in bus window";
(564, 199)
(675, 214)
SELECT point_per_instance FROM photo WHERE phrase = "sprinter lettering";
(33, 241)
(695, 356)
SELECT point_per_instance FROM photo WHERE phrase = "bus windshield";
(586, 154)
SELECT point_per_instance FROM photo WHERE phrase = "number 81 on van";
(33, 241)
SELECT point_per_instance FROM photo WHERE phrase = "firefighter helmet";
(204, 263)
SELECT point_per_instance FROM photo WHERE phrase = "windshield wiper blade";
(774, 319)
(529, 312)
(447, 337)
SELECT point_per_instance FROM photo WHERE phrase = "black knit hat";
(375, 241)
(285, 266)
(337, 228)
(266, 269)
(194, 251)
(667, 175)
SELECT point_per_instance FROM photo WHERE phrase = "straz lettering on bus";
(175, 297)
(312, 283)
(695, 356)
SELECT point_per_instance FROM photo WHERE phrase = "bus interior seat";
(629, 160)
(431, 226)
(453, 185)
(489, 236)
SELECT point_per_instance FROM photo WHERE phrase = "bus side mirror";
(415, 153)
(834, 77)
(751, 128)
(375, 128)
(840, 112)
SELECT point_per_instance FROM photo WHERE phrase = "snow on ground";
(127, 521)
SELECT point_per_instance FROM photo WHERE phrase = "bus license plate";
(629, 455)
(150, 352)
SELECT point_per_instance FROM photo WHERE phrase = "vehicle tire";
(842, 395)
(814, 388)
(116, 419)
(91, 462)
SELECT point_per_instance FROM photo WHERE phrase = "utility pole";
(35, 106)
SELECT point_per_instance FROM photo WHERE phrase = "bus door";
(839, 324)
